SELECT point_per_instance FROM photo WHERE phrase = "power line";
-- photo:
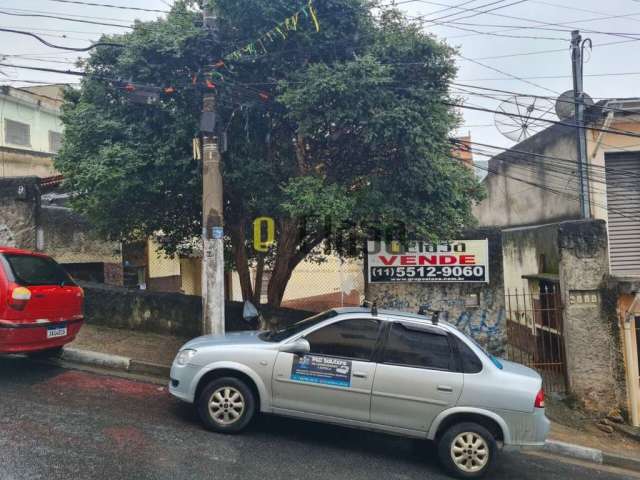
(552, 122)
(477, 9)
(56, 17)
(61, 47)
(515, 77)
(551, 190)
(578, 9)
(530, 20)
(549, 77)
(66, 15)
(109, 5)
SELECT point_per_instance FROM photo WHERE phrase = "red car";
(41, 307)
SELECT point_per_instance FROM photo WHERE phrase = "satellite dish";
(520, 117)
(566, 107)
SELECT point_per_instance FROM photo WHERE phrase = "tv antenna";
(520, 117)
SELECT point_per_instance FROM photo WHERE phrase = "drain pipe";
(633, 382)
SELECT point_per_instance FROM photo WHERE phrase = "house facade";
(586, 272)
(31, 130)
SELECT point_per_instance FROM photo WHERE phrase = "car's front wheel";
(467, 450)
(226, 405)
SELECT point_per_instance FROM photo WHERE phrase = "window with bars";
(55, 141)
(17, 133)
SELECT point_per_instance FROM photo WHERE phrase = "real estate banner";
(454, 261)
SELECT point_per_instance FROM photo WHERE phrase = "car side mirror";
(299, 347)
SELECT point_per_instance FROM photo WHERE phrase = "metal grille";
(535, 334)
(623, 203)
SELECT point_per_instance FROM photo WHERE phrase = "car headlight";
(185, 356)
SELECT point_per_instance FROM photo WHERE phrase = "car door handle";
(445, 388)
(359, 374)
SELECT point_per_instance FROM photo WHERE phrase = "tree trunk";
(239, 248)
(287, 243)
(257, 287)
(289, 254)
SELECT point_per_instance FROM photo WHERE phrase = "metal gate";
(535, 334)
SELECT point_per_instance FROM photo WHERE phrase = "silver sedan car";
(382, 370)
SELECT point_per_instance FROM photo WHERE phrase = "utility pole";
(577, 60)
(213, 317)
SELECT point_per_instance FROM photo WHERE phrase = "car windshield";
(291, 330)
(31, 270)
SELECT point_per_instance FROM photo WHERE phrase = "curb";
(591, 455)
(97, 359)
(114, 362)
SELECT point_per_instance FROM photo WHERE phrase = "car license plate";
(56, 332)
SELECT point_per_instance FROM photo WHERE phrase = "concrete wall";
(165, 313)
(513, 185)
(57, 231)
(19, 212)
(486, 322)
(592, 338)
(524, 250)
(69, 238)
(513, 197)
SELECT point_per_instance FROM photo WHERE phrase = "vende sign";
(455, 261)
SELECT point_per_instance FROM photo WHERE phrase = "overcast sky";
(611, 70)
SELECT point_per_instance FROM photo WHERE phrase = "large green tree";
(349, 123)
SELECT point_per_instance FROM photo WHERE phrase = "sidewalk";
(135, 352)
(572, 434)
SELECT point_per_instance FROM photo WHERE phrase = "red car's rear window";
(33, 271)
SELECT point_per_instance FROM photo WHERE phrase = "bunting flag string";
(281, 30)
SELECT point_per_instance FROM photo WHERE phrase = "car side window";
(469, 361)
(354, 338)
(418, 348)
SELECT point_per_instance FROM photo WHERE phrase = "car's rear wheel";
(467, 450)
(226, 405)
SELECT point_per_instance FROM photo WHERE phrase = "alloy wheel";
(470, 452)
(226, 405)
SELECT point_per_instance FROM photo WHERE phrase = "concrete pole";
(212, 223)
(581, 132)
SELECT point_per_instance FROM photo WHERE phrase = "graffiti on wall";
(485, 324)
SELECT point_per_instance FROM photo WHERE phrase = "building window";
(55, 141)
(16, 133)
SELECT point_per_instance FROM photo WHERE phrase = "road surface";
(68, 424)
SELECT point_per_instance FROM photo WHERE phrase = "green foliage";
(355, 126)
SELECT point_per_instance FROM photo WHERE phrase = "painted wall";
(42, 114)
(599, 145)
(522, 253)
(485, 321)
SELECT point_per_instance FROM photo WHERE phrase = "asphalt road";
(67, 424)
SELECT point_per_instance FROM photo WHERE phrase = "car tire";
(226, 405)
(467, 450)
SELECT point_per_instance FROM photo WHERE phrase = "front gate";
(535, 334)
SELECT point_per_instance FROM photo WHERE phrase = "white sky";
(608, 60)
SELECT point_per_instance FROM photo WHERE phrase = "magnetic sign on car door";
(322, 370)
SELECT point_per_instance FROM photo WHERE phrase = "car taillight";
(540, 399)
(19, 298)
